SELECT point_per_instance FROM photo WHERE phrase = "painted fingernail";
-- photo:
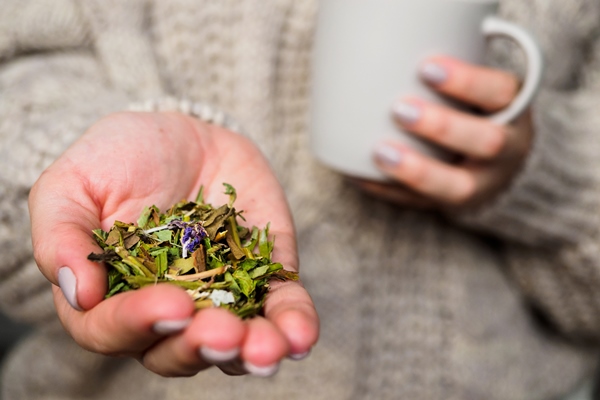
(263, 372)
(169, 327)
(218, 356)
(299, 356)
(67, 281)
(387, 155)
(434, 73)
(407, 113)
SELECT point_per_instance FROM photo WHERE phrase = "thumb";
(62, 218)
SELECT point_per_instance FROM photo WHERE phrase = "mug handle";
(494, 26)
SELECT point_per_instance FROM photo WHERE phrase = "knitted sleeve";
(556, 257)
(52, 87)
(549, 217)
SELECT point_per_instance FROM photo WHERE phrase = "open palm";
(131, 160)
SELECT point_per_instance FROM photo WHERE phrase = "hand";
(131, 160)
(490, 154)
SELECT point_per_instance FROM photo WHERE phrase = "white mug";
(366, 56)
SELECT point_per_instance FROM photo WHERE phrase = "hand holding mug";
(490, 152)
(366, 58)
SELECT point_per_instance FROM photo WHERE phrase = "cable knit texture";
(413, 305)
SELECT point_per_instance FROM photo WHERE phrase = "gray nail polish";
(387, 155)
(263, 372)
(434, 73)
(218, 356)
(299, 356)
(168, 327)
(407, 113)
(67, 281)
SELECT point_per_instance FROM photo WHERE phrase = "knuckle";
(91, 344)
(418, 176)
(160, 372)
(87, 335)
(496, 141)
(506, 90)
(465, 82)
(465, 190)
(440, 126)
(160, 369)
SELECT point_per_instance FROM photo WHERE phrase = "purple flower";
(193, 233)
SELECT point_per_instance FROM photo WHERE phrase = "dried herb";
(195, 246)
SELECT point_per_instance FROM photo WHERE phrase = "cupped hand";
(123, 163)
(489, 154)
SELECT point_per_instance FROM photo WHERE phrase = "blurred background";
(10, 334)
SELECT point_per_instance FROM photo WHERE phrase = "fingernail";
(218, 356)
(67, 281)
(434, 73)
(169, 327)
(407, 113)
(388, 155)
(263, 372)
(299, 356)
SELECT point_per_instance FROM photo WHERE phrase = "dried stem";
(202, 275)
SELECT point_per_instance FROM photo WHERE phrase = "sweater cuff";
(555, 197)
(198, 110)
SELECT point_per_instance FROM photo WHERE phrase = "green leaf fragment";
(162, 262)
(200, 195)
(183, 265)
(136, 259)
(244, 281)
(231, 192)
(264, 245)
(164, 235)
(253, 240)
(118, 288)
(142, 221)
(259, 271)
(100, 236)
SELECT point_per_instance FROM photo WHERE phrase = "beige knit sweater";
(413, 305)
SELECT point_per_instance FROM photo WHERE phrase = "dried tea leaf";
(236, 249)
(199, 259)
(107, 256)
(131, 241)
(196, 246)
(114, 237)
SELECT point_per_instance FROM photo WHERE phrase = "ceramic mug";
(366, 56)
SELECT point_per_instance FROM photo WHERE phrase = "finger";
(215, 336)
(393, 193)
(130, 322)
(233, 368)
(487, 88)
(436, 180)
(264, 346)
(263, 201)
(292, 311)
(62, 224)
(462, 133)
